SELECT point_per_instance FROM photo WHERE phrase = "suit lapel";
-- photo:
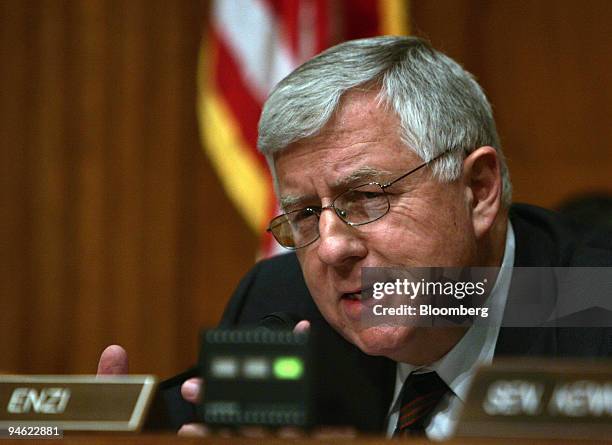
(534, 247)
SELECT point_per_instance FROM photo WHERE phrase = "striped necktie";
(420, 394)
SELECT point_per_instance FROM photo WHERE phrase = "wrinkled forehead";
(310, 173)
(360, 121)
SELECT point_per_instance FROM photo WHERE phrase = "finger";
(302, 327)
(193, 429)
(191, 390)
(113, 361)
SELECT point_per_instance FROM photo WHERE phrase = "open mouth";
(357, 304)
(360, 295)
(353, 296)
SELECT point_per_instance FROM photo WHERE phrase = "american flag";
(249, 47)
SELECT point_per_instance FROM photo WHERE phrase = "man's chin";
(388, 341)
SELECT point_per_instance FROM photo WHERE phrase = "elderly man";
(385, 153)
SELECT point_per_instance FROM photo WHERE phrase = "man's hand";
(302, 327)
(113, 361)
(192, 389)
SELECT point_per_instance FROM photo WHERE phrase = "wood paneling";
(114, 227)
(547, 69)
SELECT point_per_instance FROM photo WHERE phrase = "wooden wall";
(546, 66)
(113, 226)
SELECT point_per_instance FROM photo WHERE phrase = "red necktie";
(420, 394)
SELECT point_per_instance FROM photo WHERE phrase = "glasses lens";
(362, 205)
(295, 229)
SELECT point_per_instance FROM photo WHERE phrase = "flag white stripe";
(252, 33)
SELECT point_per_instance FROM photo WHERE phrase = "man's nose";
(339, 243)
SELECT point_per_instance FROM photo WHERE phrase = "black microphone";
(279, 321)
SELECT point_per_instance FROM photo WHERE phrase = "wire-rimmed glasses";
(356, 206)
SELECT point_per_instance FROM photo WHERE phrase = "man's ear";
(482, 177)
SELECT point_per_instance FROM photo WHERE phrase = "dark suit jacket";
(542, 238)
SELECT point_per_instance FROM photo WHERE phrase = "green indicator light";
(288, 368)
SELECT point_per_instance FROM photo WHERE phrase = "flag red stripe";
(230, 82)
(360, 19)
(323, 38)
(287, 13)
(290, 19)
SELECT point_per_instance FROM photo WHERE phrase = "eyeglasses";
(356, 206)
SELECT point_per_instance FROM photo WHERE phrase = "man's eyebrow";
(290, 201)
(360, 176)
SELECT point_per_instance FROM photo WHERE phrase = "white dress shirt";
(458, 366)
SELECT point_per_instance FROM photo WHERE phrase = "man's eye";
(303, 214)
(371, 195)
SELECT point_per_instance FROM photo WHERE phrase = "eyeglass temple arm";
(389, 184)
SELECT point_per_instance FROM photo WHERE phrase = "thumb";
(302, 327)
(113, 361)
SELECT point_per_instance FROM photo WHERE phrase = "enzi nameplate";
(76, 402)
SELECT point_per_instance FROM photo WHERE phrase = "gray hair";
(441, 107)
